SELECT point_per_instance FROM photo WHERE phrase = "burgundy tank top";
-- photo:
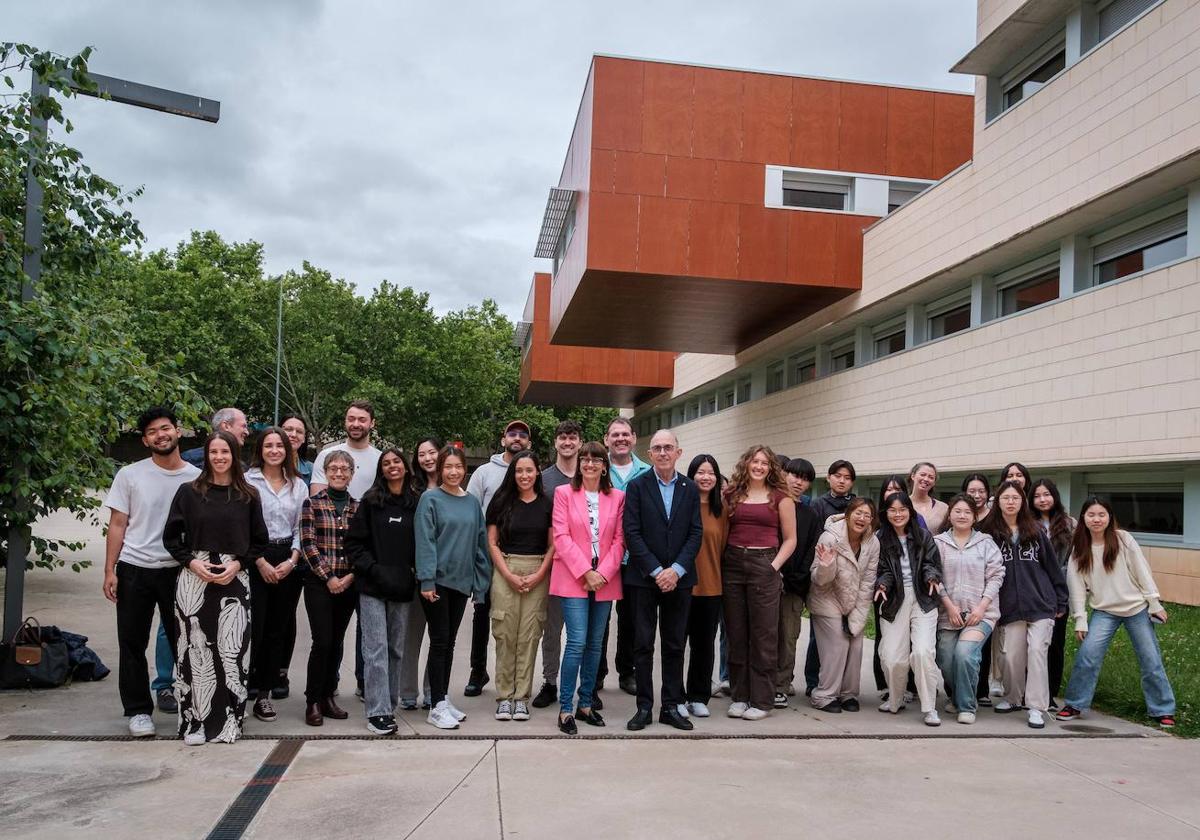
(755, 524)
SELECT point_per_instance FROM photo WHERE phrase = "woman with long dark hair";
(214, 529)
(423, 476)
(521, 543)
(275, 582)
(1032, 596)
(977, 486)
(1108, 570)
(452, 568)
(1018, 475)
(1056, 524)
(297, 433)
(908, 578)
(423, 469)
(382, 551)
(892, 484)
(705, 611)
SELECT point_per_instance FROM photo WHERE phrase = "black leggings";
(442, 618)
(328, 617)
(703, 617)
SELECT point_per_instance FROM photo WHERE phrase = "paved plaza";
(68, 767)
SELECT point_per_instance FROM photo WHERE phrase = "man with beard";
(484, 483)
(139, 572)
(360, 420)
(232, 420)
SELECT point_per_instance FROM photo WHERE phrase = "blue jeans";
(164, 662)
(585, 620)
(958, 660)
(1160, 699)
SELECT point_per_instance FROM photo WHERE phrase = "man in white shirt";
(139, 573)
(360, 420)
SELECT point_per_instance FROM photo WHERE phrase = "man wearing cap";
(484, 483)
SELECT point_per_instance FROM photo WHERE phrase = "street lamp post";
(119, 90)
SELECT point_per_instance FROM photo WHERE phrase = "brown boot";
(312, 714)
(331, 709)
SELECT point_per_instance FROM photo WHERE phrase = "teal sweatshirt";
(452, 548)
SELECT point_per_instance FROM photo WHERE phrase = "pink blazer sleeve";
(610, 564)
(566, 550)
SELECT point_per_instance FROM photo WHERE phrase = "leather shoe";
(476, 683)
(547, 695)
(590, 717)
(567, 725)
(628, 684)
(330, 709)
(673, 718)
(597, 703)
(640, 721)
(313, 716)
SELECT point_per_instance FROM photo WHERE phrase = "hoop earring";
(603, 472)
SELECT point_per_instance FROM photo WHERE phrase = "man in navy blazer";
(662, 534)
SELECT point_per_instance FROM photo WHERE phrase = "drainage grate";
(240, 813)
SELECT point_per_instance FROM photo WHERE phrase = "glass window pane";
(1037, 290)
(775, 378)
(817, 199)
(1174, 248)
(1142, 259)
(842, 361)
(1150, 510)
(801, 371)
(743, 394)
(948, 323)
(709, 405)
(727, 397)
(1036, 79)
(889, 344)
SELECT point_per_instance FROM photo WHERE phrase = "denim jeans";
(585, 620)
(384, 625)
(958, 659)
(164, 662)
(1160, 699)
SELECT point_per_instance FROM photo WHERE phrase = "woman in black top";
(215, 527)
(521, 544)
(382, 553)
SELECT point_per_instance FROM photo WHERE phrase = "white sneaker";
(966, 717)
(908, 697)
(195, 738)
(142, 726)
(1003, 706)
(441, 717)
(698, 710)
(995, 687)
(682, 708)
(950, 708)
(886, 706)
(520, 710)
(754, 713)
(1036, 720)
(504, 710)
(459, 714)
(723, 688)
(932, 719)
(737, 710)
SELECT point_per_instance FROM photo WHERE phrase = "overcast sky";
(416, 142)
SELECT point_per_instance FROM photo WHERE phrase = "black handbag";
(28, 661)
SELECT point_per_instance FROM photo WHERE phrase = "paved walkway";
(67, 767)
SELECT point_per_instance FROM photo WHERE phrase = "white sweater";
(1127, 590)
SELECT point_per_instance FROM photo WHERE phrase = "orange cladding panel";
(617, 104)
(762, 243)
(816, 118)
(712, 239)
(910, 133)
(740, 183)
(862, 135)
(662, 235)
(613, 231)
(603, 174)
(667, 109)
(717, 119)
(639, 173)
(953, 123)
(690, 177)
(766, 118)
(811, 252)
(848, 244)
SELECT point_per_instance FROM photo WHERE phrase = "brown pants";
(841, 661)
(750, 592)
(517, 621)
(791, 615)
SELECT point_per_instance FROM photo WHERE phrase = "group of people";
(971, 596)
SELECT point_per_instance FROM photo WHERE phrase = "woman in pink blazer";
(588, 547)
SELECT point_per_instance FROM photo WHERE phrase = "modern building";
(891, 275)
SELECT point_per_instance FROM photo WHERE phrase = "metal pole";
(31, 263)
(278, 346)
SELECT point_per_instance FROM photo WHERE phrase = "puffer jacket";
(926, 566)
(844, 588)
(970, 574)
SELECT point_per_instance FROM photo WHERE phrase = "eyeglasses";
(334, 470)
(664, 448)
(591, 459)
(521, 433)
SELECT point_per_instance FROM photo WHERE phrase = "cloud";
(416, 142)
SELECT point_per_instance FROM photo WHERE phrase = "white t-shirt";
(144, 492)
(623, 470)
(593, 506)
(366, 462)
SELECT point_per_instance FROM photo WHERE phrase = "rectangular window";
(889, 344)
(677, 414)
(743, 391)
(1031, 292)
(841, 360)
(708, 405)
(1145, 508)
(1027, 83)
(901, 192)
(1141, 250)
(951, 321)
(1120, 12)
(693, 410)
(774, 377)
(817, 192)
(801, 369)
(728, 397)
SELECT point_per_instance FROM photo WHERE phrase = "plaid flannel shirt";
(322, 533)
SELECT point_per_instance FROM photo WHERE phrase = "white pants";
(1023, 648)
(910, 641)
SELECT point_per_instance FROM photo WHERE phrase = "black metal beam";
(154, 98)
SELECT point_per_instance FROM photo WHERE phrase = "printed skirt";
(213, 654)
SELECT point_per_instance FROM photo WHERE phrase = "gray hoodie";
(970, 574)
(486, 480)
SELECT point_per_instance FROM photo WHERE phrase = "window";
(842, 359)
(801, 369)
(677, 415)
(774, 377)
(728, 397)
(564, 238)
(1031, 292)
(708, 405)
(1141, 250)
(1145, 508)
(1120, 12)
(817, 192)
(1027, 83)
(951, 321)
(891, 343)
(743, 390)
(902, 192)
(692, 410)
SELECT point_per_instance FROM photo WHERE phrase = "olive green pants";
(517, 621)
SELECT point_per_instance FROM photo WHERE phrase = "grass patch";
(1119, 691)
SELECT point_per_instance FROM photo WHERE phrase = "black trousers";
(442, 620)
(328, 617)
(704, 615)
(983, 685)
(272, 612)
(625, 633)
(481, 631)
(666, 612)
(139, 592)
(812, 662)
(1056, 655)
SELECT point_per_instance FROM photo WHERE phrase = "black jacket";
(655, 540)
(797, 571)
(924, 560)
(1033, 587)
(382, 550)
(829, 504)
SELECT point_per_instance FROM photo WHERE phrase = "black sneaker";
(381, 725)
(167, 702)
(476, 683)
(781, 701)
(547, 695)
(282, 687)
(850, 704)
